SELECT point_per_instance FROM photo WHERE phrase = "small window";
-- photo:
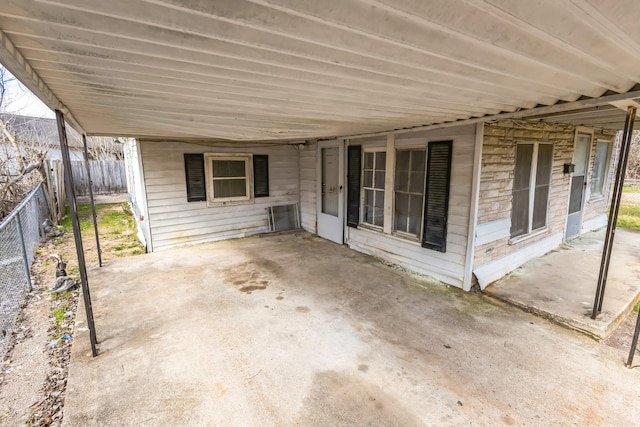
(531, 185)
(600, 168)
(409, 191)
(229, 177)
(373, 177)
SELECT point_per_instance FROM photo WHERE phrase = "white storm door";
(578, 184)
(330, 190)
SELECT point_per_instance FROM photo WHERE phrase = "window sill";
(596, 199)
(215, 204)
(536, 233)
(394, 235)
(406, 237)
(370, 227)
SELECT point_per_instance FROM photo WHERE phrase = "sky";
(20, 100)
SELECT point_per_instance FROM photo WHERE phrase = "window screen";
(531, 189)
(409, 191)
(521, 183)
(229, 176)
(543, 181)
(373, 177)
(599, 168)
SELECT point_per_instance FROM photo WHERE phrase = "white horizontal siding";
(493, 230)
(447, 267)
(174, 221)
(308, 160)
(493, 270)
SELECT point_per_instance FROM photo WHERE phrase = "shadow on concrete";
(561, 285)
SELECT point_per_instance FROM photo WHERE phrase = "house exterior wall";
(136, 190)
(449, 266)
(175, 221)
(495, 252)
(308, 158)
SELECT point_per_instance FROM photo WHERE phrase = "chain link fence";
(20, 234)
(631, 198)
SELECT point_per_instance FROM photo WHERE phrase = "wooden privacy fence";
(108, 176)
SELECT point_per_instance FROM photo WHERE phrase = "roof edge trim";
(559, 107)
(17, 65)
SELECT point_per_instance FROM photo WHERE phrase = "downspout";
(473, 208)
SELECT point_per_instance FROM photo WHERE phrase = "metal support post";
(634, 342)
(24, 251)
(93, 205)
(75, 222)
(613, 211)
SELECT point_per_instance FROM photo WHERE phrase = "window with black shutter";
(194, 170)
(261, 175)
(353, 185)
(436, 201)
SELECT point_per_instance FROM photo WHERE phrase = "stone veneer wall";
(496, 182)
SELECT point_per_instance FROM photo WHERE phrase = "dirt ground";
(622, 336)
(33, 374)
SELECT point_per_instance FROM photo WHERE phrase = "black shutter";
(436, 200)
(194, 170)
(354, 156)
(260, 175)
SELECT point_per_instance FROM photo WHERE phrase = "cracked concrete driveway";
(293, 330)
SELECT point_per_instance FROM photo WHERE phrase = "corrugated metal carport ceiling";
(292, 69)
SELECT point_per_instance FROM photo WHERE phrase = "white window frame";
(607, 165)
(400, 233)
(208, 170)
(532, 187)
(363, 188)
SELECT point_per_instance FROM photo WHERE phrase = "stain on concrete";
(303, 309)
(221, 390)
(247, 277)
(337, 399)
(279, 297)
(508, 420)
(363, 368)
(249, 289)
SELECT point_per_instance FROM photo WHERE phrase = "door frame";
(586, 131)
(330, 227)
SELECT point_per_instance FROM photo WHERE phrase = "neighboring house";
(42, 133)
(451, 203)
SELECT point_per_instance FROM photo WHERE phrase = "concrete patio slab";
(291, 330)
(561, 285)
